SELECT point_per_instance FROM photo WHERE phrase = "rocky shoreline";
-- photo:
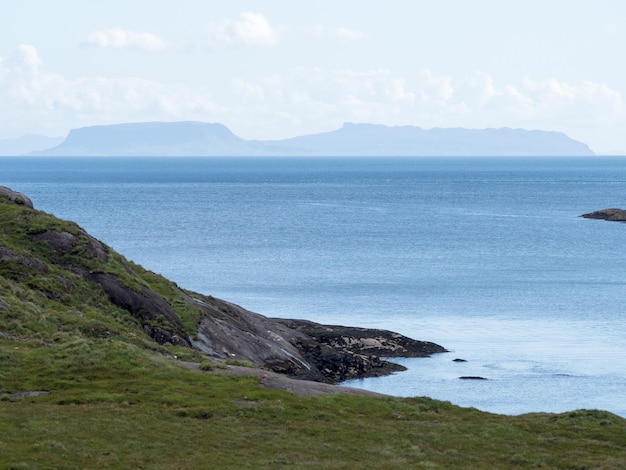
(299, 348)
(343, 353)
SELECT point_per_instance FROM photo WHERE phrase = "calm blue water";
(487, 257)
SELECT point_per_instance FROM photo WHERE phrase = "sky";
(282, 68)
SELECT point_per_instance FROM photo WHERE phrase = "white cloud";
(119, 38)
(36, 100)
(25, 60)
(311, 100)
(582, 102)
(588, 111)
(437, 89)
(306, 100)
(250, 29)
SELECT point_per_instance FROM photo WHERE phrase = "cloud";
(119, 38)
(250, 29)
(24, 61)
(309, 99)
(553, 98)
(312, 99)
(37, 100)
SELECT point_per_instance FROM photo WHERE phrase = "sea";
(488, 257)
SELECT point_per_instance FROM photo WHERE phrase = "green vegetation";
(240, 363)
(211, 365)
(117, 399)
(112, 404)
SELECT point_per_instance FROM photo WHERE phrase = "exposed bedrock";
(14, 196)
(301, 348)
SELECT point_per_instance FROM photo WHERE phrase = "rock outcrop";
(342, 352)
(613, 215)
(156, 315)
(14, 196)
(367, 341)
(301, 348)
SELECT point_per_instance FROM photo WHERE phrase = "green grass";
(59, 281)
(240, 362)
(114, 405)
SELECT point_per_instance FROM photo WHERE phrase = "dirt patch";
(275, 381)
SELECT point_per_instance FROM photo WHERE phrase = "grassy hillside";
(85, 383)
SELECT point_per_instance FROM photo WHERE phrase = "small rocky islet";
(612, 215)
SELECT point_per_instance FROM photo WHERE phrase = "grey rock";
(27, 262)
(65, 243)
(14, 196)
(145, 305)
(298, 348)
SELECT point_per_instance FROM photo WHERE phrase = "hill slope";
(63, 268)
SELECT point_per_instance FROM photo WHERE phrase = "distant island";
(190, 138)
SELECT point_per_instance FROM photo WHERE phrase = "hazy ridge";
(190, 138)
